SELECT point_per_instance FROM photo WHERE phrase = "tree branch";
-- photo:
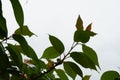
(57, 63)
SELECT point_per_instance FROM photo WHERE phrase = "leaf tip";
(79, 23)
(89, 27)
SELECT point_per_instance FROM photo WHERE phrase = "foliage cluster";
(14, 67)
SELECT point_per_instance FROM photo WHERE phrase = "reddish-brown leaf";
(89, 27)
(79, 23)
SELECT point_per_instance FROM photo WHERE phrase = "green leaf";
(4, 75)
(92, 33)
(4, 61)
(91, 54)
(28, 70)
(57, 79)
(57, 44)
(3, 26)
(81, 36)
(13, 70)
(75, 68)
(20, 49)
(83, 60)
(50, 53)
(24, 31)
(23, 43)
(79, 23)
(50, 75)
(16, 77)
(18, 12)
(42, 64)
(61, 74)
(86, 77)
(88, 29)
(31, 71)
(15, 55)
(0, 7)
(26, 48)
(110, 75)
(69, 70)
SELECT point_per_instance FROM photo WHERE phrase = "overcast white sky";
(58, 17)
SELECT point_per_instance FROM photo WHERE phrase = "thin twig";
(72, 47)
(53, 67)
(5, 39)
(58, 63)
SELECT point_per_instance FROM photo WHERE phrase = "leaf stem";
(72, 47)
(5, 39)
(58, 63)
(53, 67)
